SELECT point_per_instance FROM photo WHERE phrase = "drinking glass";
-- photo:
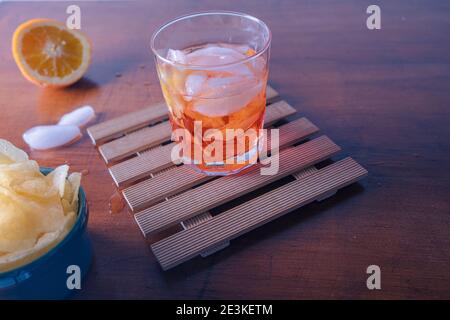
(213, 70)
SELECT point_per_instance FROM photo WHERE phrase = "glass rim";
(206, 13)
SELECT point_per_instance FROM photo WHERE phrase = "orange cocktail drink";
(213, 70)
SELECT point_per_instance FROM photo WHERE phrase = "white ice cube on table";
(78, 117)
(51, 136)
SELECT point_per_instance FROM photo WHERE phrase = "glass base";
(217, 171)
(240, 163)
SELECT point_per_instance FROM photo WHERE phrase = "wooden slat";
(271, 94)
(157, 159)
(154, 160)
(136, 141)
(277, 111)
(222, 190)
(114, 128)
(194, 221)
(241, 219)
(303, 173)
(177, 179)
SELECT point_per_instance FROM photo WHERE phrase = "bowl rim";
(81, 217)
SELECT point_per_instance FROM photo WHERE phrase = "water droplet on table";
(116, 203)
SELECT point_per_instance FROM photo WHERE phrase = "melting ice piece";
(176, 56)
(78, 117)
(194, 83)
(226, 89)
(227, 86)
(47, 137)
(214, 55)
(227, 102)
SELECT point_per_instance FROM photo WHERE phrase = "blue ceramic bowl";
(47, 276)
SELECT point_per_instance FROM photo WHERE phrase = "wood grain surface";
(383, 96)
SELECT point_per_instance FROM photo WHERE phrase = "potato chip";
(20, 171)
(36, 188)
(75, 181)
(68, 192)
(10, 152)
(18, 230)
(67, 207)
(16, 259)
(46, 216)
(58, 178)
(36, 211)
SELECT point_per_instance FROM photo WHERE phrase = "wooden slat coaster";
(150, 191)
(161, 194)
(241, 219)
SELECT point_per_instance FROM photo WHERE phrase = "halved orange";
(50, 54)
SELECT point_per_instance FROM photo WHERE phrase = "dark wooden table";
(383, 95)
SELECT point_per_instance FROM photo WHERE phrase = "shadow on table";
(52, 103)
